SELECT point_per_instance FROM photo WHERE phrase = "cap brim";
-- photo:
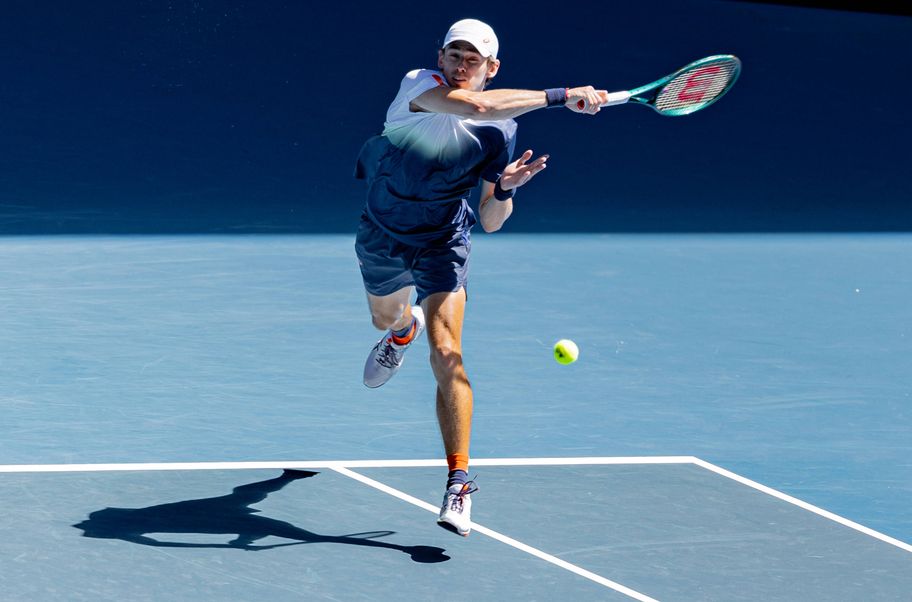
(479, 47)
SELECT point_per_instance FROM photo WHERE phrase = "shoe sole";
(451, 528)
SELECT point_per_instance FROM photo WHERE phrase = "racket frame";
(636, 95)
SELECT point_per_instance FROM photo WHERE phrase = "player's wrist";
(500, 194)
(556, 97)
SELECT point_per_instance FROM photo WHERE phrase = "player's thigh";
(441, 269)
(384, 262)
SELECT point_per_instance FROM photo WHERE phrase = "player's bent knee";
(384, 320)
(381, 322)
(446, 359)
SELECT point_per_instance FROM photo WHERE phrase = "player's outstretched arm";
(504, 104)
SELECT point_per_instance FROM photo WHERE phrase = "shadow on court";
(231, 514)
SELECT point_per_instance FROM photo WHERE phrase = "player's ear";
(440, 59)
(493, 67)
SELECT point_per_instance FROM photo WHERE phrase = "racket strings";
(697, 87)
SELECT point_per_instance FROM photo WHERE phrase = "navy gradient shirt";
(424, 166)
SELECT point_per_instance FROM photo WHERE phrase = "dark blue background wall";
(242, 116)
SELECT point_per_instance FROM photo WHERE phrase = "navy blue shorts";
(388, 265)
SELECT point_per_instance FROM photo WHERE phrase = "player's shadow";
(230, 514)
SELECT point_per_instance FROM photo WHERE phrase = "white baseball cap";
(478, 34)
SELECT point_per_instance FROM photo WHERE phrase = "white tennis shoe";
(456, 511)
(386, 357)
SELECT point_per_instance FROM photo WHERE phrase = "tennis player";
(443, 134)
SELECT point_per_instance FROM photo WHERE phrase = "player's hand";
(519, 172)
(590, 97)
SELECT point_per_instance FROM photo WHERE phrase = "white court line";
(804, 505)
(594, 460)
(329, 464)
(500, 537)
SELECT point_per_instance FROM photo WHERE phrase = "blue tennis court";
(157, 397)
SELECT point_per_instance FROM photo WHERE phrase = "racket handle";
(614, 98)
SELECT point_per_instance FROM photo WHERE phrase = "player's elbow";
(490, 227)
(491, 223)
(494, 214)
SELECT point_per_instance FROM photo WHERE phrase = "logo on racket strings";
(698, 83)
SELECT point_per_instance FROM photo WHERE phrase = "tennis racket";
(689, 89)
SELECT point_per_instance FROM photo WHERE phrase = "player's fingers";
(520, 174)
(594, 103)
(532, 168)
(537, 165)
(534, 171)
(589, 105)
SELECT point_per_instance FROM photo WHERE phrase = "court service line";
(499, 536)
(329, 464)
(802, 504)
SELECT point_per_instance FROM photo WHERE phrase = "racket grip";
(614, 98)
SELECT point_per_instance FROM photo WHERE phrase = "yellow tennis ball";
(565, 351)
